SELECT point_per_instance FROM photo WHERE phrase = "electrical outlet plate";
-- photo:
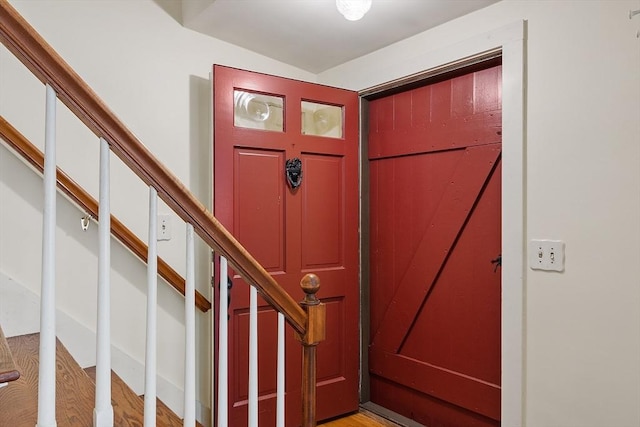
(546, 255)
(164, 227)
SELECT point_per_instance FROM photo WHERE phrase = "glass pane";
(258, 111)
(321, 119)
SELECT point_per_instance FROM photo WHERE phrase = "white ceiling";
(311, 34)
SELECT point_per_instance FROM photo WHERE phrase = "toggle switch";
(164, 227)
(546, 255)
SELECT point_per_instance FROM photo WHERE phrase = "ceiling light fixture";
(353, 9)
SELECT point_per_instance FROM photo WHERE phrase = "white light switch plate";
(546, 255)
(164, 227)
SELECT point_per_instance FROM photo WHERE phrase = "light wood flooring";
(362, 419)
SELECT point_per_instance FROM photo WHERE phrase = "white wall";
(582, 178)
(154, 74)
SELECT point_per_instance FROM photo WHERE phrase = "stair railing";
(63, 83)
(30, 153)
(24, 149)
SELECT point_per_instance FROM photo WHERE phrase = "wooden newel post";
(315, 333)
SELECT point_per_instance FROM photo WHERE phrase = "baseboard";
(390, 415)
(20, 314)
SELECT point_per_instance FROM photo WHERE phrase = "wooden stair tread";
(128, 407)
(75, 392)
(8, 369)
(74, 389)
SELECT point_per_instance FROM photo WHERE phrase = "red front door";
(435, 200)
(261, 122)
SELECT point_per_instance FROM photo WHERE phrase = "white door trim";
(510, 41)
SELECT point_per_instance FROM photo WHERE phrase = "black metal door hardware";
(498, 262)
(293, 171)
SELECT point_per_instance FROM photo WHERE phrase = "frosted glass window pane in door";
(321, 120)
(258, 111)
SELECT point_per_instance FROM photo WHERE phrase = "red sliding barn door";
(260, 122)
(435, 200)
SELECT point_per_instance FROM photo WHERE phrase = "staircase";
(75, 392)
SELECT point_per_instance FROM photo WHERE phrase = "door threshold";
(401, 420)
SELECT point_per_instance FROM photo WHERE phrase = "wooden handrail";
(80, 197)
(37, 55)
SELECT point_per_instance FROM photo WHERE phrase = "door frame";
(508, 42)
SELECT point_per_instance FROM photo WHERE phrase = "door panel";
(332, 365)
(266, 385)
(435, 192)
(260, 122)
(258, 189)
(323, 213)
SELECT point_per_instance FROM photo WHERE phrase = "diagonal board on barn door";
(457, 203)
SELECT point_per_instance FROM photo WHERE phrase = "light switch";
(546, 255)
(164, 227)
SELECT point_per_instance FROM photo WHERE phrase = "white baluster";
(190, 335)
(103, 411)
(47, 368)
(152, 317)
(223, 354)
(253, 358)
(280, 373)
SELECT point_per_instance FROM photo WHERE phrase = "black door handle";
(498, 262)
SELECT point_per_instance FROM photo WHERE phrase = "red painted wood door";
(435, 201)
(260, 122)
